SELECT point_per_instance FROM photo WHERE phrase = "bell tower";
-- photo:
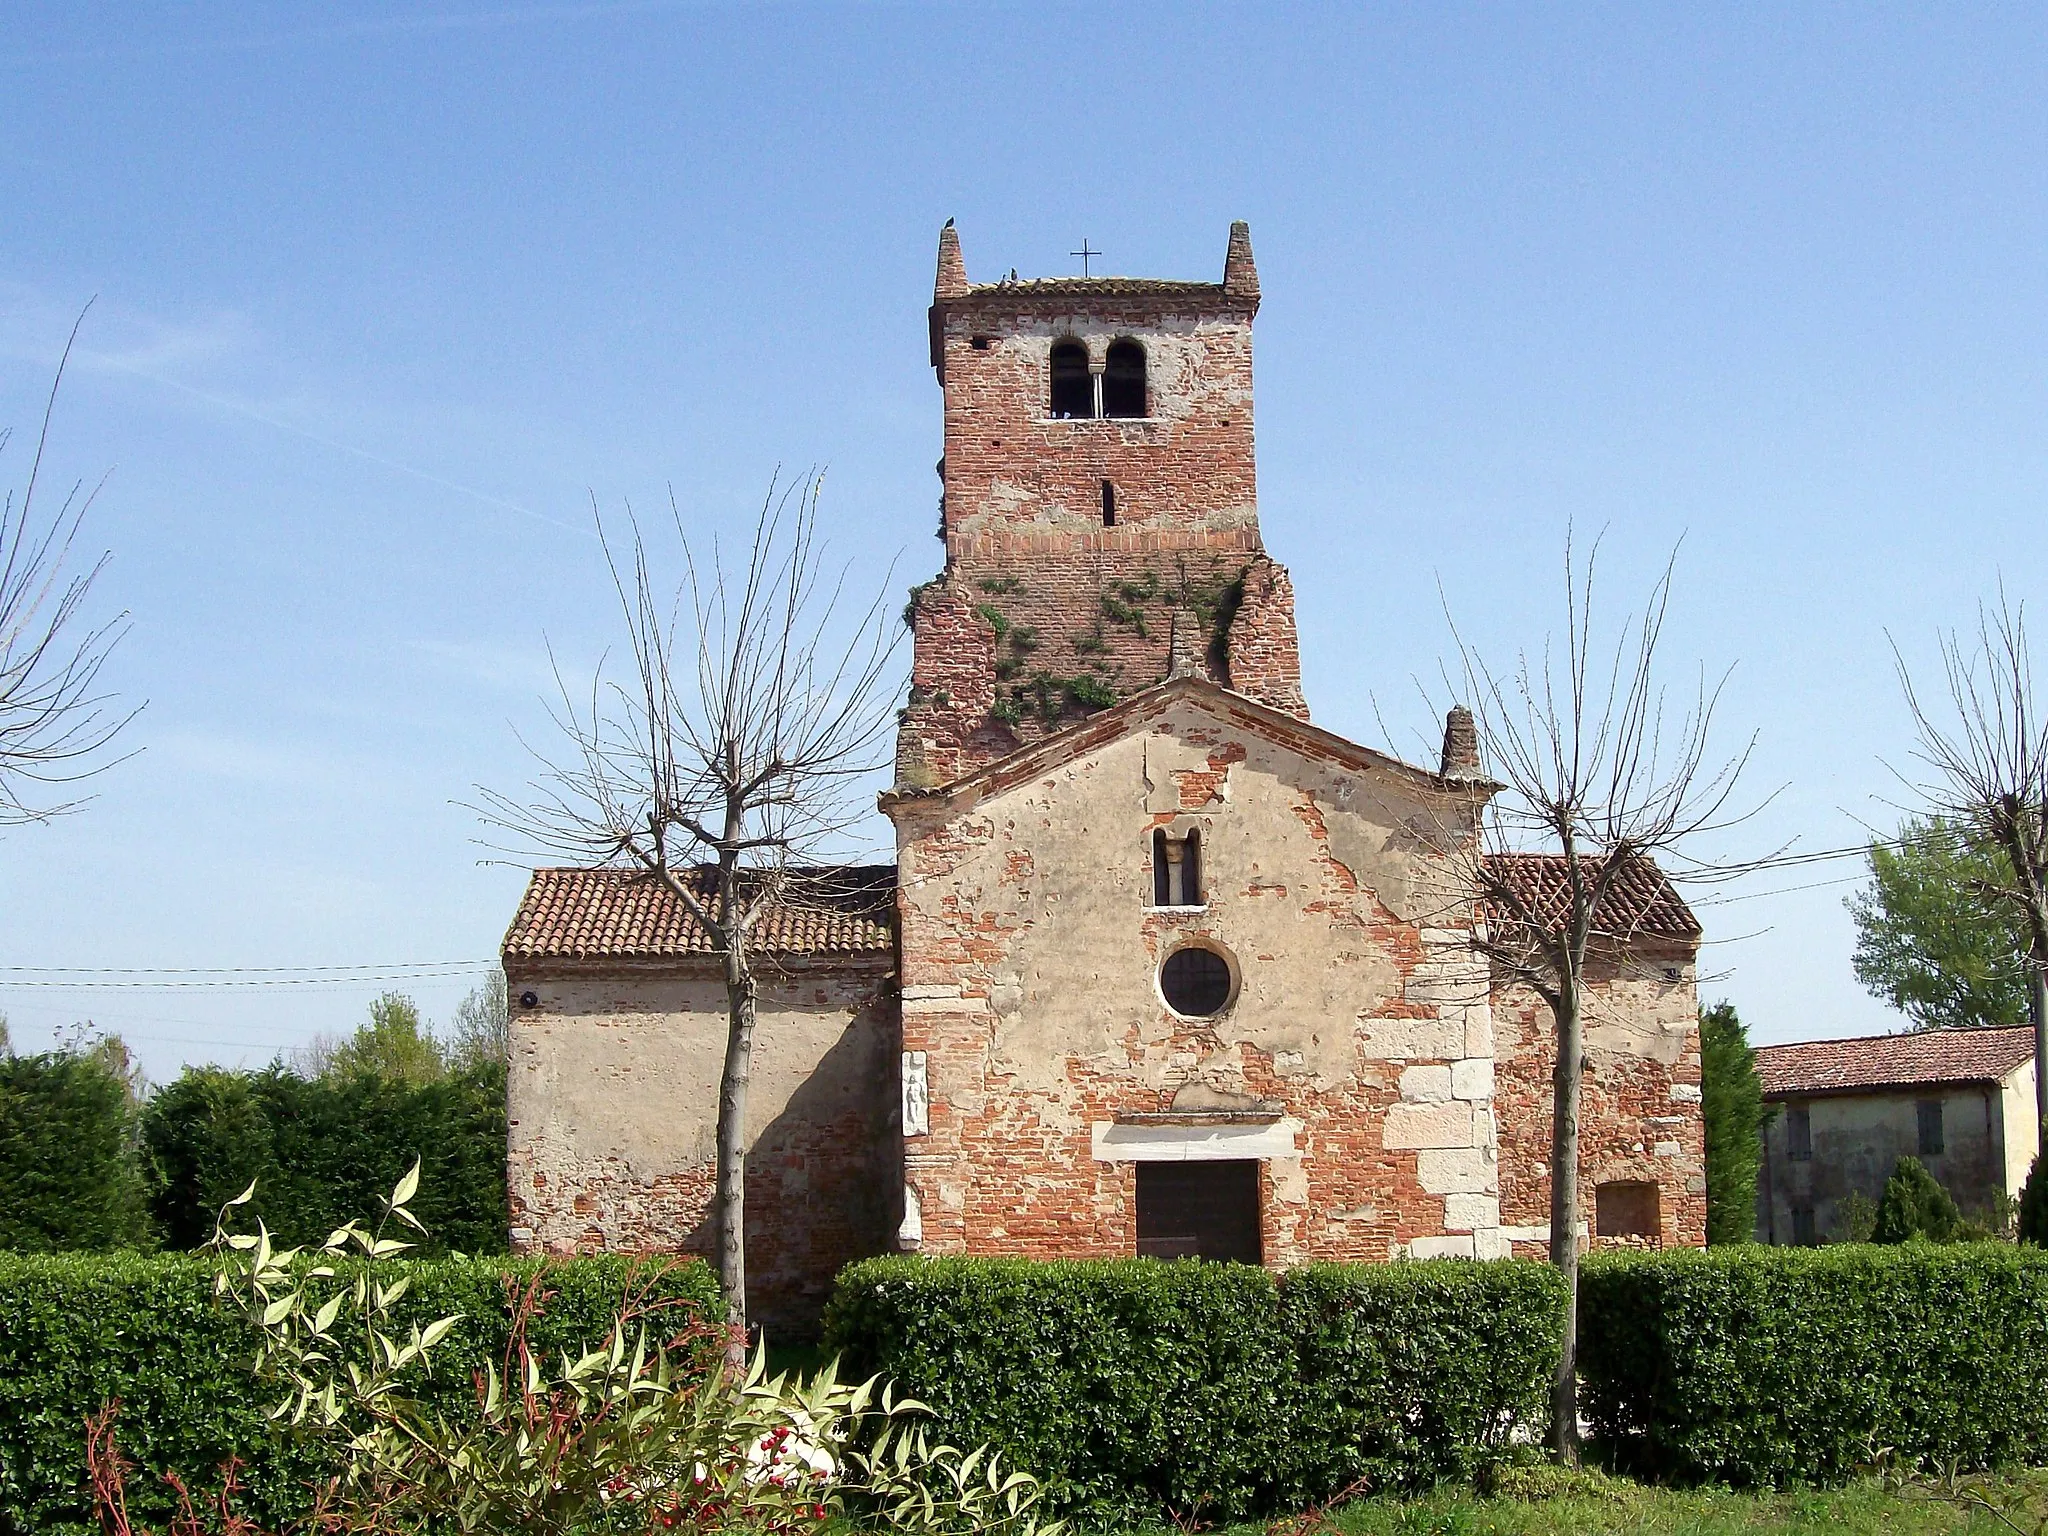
(1099, 508)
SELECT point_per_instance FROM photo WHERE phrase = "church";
(1162, 967)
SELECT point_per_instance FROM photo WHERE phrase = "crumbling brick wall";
(1087, 558)
(1361, 1020)
(1640, 1117)
(613, 1108)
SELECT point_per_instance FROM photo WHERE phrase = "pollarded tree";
(1985, 749)
(1590, 767)
(733, 753)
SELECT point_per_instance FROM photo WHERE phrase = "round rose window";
(1195, 982)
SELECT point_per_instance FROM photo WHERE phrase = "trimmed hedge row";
(1136, 1388)
(1768, 1366)
(323, 1150)
(77, 1330)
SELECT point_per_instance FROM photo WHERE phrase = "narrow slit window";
(1108, 505)
(1176, 869)
(1123, 379)
(1073, 391)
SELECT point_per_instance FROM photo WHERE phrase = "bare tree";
(1988, 754)
(724, 764)
(1593, 768)
(55, 720)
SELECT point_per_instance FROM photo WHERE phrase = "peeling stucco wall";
(1988, 1142)
(1361, 1014)
(1639, 1114)
(613, 1109)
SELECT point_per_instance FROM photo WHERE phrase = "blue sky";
(386, 296)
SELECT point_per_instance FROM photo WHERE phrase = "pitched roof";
(1131, 712)
(625, 914)
(1640, 902)
(1874, 1062)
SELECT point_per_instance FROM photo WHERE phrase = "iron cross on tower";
(1084, 253)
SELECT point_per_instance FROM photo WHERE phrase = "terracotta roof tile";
(625, 914)
(1892, 1061)
(1640, 902)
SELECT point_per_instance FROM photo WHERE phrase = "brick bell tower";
(1100, 509)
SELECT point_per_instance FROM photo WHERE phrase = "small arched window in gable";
(1123, 380)
(1073, 392)
(1176, 869)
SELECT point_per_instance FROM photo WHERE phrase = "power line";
(239, 970)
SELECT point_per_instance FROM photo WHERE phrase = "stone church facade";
(1162, 967)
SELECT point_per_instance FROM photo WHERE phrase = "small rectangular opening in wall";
(1627, 1208)
(979, 343)
(1798, 1133)
(1108, 505)
(1199, 1210)
(1928, 1113)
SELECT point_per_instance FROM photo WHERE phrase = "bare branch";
(56, 721)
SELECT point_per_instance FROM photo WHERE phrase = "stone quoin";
(1162, 967)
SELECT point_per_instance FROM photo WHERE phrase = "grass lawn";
(1612, 1506)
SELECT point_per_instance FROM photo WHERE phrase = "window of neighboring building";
(1073, 392)
(1929, 1113)
(1627, 1208)
(1195, 982)
(1176, 869)
(1123, 379)
(1799, 1135)
(1199, 1210)
(1802, 1226)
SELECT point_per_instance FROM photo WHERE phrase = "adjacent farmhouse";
(1162, 966)
(1960, 1100)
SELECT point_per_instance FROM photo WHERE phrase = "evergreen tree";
(70, 1176)
(1929, 942)
(2032, 1226)
(1915, 1205)
(1732, 1104)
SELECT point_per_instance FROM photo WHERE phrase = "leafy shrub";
(68, 1173)
(1134, 1387)
(1915, 1205)
(1759, 1365)
(78, 1330)
(322, 1149)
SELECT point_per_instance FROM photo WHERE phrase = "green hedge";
(324, 1150)
(1770, 1366)
(1137, 1388)
(77, 1330)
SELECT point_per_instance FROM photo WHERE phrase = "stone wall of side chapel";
(1640, 1115)
(612, 1099)
(1030, 950)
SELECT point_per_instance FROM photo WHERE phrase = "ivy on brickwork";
(917, 595)
(1123, 602)
(1214, 602)
(1000, 586)
(1014, 642)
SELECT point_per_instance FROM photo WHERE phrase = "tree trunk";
(1564, 1217)
(732, 1145)
(2037, 1005)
